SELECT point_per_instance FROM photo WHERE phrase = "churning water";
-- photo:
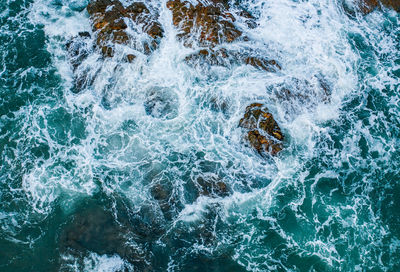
(108, 178)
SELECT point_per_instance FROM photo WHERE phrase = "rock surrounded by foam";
(208, 25)
(263, 133)
(213, 24)
(110, 19)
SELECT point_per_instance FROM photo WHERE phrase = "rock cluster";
(211, 24)
(207, 26)
(110, 20)
(263, 133)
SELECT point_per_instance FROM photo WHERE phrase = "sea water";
(96, 180)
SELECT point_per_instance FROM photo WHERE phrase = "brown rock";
(263, 64)
(130, 58)
(107, 51)
(212, 24)
(367, 6)
(108, 20)
(263, 134)
(394, 4)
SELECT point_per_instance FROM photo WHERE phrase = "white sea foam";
(97, 263)
(298, 46)
(309, 39)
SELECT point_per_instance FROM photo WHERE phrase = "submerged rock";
(121, 229)
(297, 95)
(162, 103)
(263, 133)
(167, 198)
(110, 20)
(95, 230)
(212, 187)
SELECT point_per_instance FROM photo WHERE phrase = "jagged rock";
(394, 4)
(130, 58)
(367, 6)
(263, 64)
(225, 58)
(212, 24)
(263, 133)
(109, 19)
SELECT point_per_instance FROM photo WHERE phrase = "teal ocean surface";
(146, 169)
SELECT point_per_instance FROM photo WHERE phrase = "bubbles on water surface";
(164, 137)
(162, 103)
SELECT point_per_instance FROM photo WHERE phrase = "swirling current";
(112, 177)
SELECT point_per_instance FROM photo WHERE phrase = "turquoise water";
(90, 181)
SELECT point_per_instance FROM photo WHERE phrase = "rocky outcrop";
(211, 24)
(113, 24)
(110, 20)
(367, 6)
(207, 26)
(263, 133)
(394, 4)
